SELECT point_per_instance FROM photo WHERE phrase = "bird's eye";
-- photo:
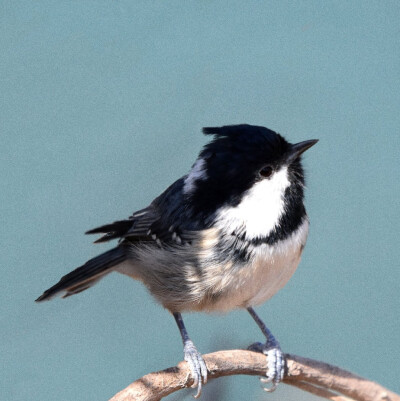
(266, 172)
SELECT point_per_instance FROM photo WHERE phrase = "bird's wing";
(166, 221)
(137, 226)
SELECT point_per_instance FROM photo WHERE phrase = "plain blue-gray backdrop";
(101, 107)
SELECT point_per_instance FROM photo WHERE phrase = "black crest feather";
(241, 129)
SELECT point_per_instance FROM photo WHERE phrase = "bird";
(227, 235)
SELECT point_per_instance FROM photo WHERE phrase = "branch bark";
(319, 378)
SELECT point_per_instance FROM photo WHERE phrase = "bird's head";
(246, 169)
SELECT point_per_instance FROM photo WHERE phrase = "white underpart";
(197, 172)
(260, 209)
(271, 268)
(274, 265)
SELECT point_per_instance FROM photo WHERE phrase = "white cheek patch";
(260, 209)
(198, 172)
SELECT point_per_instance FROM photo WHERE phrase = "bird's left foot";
(275, 362)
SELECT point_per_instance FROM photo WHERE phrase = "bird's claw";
(197, 366)
(275, 362)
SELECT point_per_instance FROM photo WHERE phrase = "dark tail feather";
(111, 231)
(86, 275)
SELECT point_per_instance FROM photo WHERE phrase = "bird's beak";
(297, 149)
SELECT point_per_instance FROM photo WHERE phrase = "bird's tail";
(86, 275)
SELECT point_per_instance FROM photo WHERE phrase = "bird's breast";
(267, 271)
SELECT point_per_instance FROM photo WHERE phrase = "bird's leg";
(272, 349)
(192, 357)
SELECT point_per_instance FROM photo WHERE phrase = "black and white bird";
(227, 235)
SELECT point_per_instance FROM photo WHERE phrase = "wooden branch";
(316, 377)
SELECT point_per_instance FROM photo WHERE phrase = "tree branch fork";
(319, 378)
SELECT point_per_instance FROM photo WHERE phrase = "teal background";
(101, 107)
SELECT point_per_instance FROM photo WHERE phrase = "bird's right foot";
(275, 362)
(197, 366)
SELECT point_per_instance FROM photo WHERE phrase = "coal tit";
(227, 235)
